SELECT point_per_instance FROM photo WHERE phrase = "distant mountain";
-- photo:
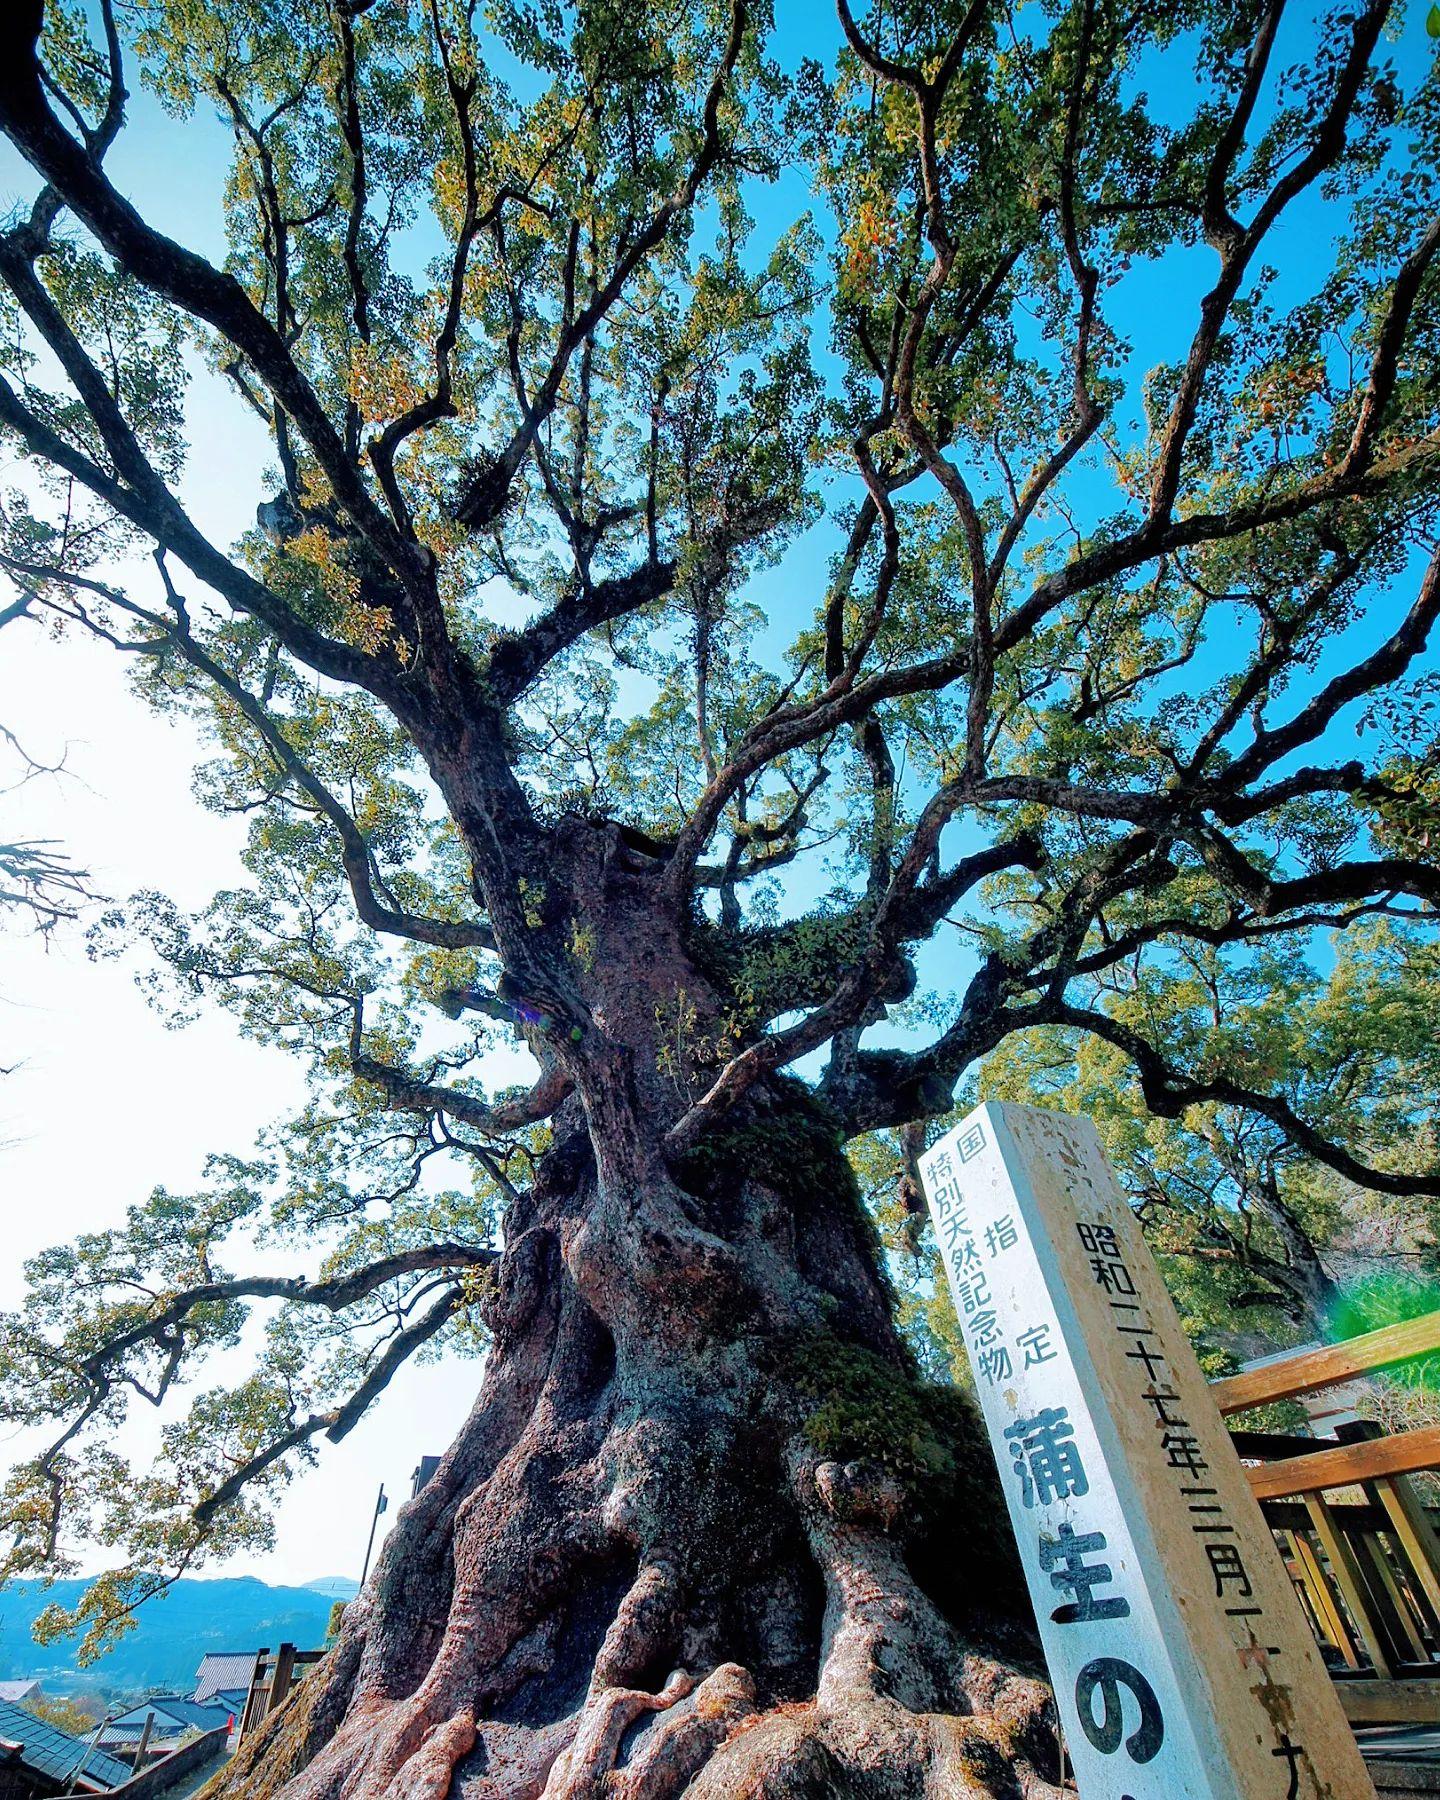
(172, 1631)
(338, 1587)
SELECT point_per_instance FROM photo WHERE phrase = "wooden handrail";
(1328, 1364)
(1390, 1702)
(1366, 1460)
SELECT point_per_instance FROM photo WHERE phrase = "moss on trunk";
(706, 1532)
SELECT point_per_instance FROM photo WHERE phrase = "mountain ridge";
(338, 1587)
(196, 1616)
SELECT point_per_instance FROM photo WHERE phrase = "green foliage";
(924, 1433)
(64, 1714)
(1230, 1202)
(645, 561)
(770, 969)
(1385, 1297)
(795, 1150)
(924, 1309)
(868, 1408)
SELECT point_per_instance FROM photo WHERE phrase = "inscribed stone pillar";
(1182, 1665)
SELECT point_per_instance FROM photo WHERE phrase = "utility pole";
(87, 1753)
(139, 1759)
(380, 1504)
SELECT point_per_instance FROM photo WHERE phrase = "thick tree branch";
(188, 281)
(406, 1094)
(334, 1293)
(1169, 1092)
(172, 529)
(517, 661)
(338, 1422)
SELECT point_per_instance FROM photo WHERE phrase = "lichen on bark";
(695, 1539)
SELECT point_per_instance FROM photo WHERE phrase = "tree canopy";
(1244, 1219)
(988, 609)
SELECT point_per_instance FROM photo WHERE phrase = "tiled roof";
(55, 1753)
(173, 1713)
(16, 1691)
(228, 1669)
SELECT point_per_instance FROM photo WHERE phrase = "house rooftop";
(44, 1747)
(174, 1713)
(16, 1691)
(223, 1670)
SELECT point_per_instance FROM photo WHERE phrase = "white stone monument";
(1182, 1665)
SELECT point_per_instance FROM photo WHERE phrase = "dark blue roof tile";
(55, 1753)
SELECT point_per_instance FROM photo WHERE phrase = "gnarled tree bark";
(641, 1571)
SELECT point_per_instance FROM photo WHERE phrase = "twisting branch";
(896, 915)
(1382, 666)
(347, 106)
(1237, 247)
(357, 858)
(188, 281)
(337, 1422)
(584, 321)
(333, 1293)
(102, 1369)
(172, 529)
(406, 1094)
(38, 878)
(438, 403)
(1389, 344)
(1168, 1093)
(356, 855)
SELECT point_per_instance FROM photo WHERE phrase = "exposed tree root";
(677, 1747)
(632, 1578)
(581, 1772)
(426, 1773)
(902, 1709)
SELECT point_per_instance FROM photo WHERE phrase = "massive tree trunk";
(705, 1532)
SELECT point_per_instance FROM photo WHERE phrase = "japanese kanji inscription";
(1182, 1666)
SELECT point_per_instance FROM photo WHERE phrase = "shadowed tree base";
(647, 1566)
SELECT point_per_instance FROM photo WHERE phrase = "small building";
(224, 1679)
(174, 1719)
(38, 1760)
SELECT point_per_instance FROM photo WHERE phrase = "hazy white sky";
(106, 1102)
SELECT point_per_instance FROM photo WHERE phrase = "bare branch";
(338, 1422)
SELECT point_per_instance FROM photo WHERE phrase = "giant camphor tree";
(664, 620)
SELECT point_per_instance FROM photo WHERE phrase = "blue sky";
(107, 1102)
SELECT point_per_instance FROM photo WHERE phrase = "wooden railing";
(1367, 1572)
(1323, 1365)
(274, 1677)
